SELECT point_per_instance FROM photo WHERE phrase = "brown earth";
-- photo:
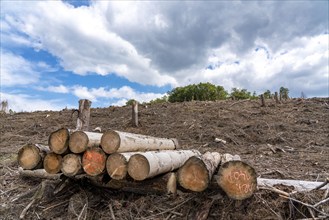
(296, 130)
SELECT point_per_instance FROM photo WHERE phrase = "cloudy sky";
(54, 53)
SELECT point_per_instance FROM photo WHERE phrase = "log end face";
(94, 161)
(52, 163)
(117, 166)
(110, 142)
(71, 164)
(28, 157)
(193, 175)
(78, 142)
(237, 179)
(59, 141)
(138, 167)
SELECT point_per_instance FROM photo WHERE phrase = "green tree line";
(210, 92)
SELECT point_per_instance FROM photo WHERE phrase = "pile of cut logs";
(135, 162)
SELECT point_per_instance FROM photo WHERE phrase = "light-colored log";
(117, 141)
(30, 156)
(299, 185)
(84, 115)
(81, 140)
(197, 171)
(117, 165)
(39, 173)
(237, 179)
(52, 163)
(94, 161)
(229, 157)
(71, 165)
(59, 141)
(149, 164)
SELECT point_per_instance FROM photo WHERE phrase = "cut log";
(52, 163)
(197, 172)
(117, 165)
(149, 164)
(30, 156)
(81, 140)
(94, 161)
(39, 173)
(117, 141)
(299, 185)
(162, 184)
(237, 179)
(229, 157)
(71, 165)
(59, 141)
(84, 115)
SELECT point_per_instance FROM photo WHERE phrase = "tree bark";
(117, 165)
(52, 163)
(135, 113)
(94, 161)
(237, 179)
(149, 164)
(276, 98)
(299, 185)
(197, 171)
(84, 115)
(59, 141)
(117, 141)
(39, 173)
(71, 165)
(81, 140)
(162, 184)
(262, 99)
(31, 156)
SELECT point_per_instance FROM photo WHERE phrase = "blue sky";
(54, 53)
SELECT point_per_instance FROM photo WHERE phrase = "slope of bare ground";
(288, 140)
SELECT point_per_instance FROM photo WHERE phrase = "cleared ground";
(284, 141)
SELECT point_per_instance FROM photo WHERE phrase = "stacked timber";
(138, 163)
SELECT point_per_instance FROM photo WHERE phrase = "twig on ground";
(322, 185)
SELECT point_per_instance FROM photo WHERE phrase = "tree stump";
(135, 113)
(84, 115)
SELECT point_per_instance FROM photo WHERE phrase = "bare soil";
(283, 141)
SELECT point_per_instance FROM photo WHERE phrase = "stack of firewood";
(138, 161)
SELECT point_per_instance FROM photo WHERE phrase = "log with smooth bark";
(117, 165)
(94, 161)
(197, 171)
(71, 165)
(59, 141)
(81, 140)
(30, 156)
(117, 141)
(237, 179)
(52, 163)
(149, 164)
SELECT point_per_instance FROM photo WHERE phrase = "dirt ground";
(283, 141)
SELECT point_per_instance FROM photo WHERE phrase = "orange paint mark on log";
(94, 161)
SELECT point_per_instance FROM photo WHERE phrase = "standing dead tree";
(83, 115)
(4, 106)
(135, 113)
